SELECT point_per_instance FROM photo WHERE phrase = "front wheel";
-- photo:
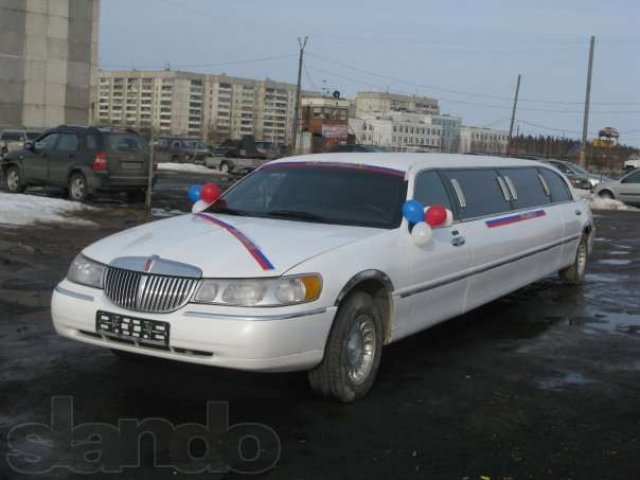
(574, 274)
(353, 351)
(78, 188)
(606, 194)
(13, 180)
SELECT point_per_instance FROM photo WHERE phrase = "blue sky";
(465, 53)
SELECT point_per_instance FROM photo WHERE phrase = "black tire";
(137, 196)
(574, 274)
(224, 167)
(13, 180)
(353, 351)
(606, 194)
(78, 187)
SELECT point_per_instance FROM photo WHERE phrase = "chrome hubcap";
(77, 188)
(582, 258)
(361, 346)
(13, 180)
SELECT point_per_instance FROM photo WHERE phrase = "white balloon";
(449, 221)
(200, 206)
(421, 234)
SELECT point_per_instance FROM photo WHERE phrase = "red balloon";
(436, 215)
(210, 192)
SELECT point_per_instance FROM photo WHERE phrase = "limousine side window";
(557, 186)
(481, 191)
(529, 191)
(430, 190)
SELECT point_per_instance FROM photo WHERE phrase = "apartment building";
(450, 131)
(385, 102)
(205, 106)
(483, 140)
(399, 131)
(48, 62)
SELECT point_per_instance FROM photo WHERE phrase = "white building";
(483, 140)
(196, 105)
(384, 103)
(399, 131)
(450, 131)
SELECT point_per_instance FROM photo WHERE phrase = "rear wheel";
(574, 274)
(353, 351)
(606, 194)
(224, 167)
(137, 196)
(13, 180)
(78, 188)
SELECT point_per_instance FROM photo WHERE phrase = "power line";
(308, 77)
(464, 92)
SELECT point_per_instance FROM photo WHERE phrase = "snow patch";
(187, 168)
(597, 203)
(18, 210)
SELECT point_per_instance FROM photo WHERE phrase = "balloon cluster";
(424, 220)
(208, 193)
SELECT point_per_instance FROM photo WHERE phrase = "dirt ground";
(543, 384)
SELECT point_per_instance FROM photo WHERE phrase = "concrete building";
(384, 103)
(483, 140)
(450, 131)
(324, 123)
(195, 105)
(399, 131)
(48, 62)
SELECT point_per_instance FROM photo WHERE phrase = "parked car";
(11, 140)
(309, 263)
(83, 160)
(627, 189)
(179, 150)
(631, 164)
(238, 156)
(577, 178)
(572, 168)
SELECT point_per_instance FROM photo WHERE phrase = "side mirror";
(30, 146)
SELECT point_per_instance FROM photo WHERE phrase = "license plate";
(134, 329)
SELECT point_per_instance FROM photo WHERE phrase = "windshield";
(341, 195)
(580, 169)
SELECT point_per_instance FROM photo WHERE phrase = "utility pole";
(296, 113)
(513, 114)
(587, 102)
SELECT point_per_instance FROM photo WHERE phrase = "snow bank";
(30, 209)
(187, 168)
(597, 203)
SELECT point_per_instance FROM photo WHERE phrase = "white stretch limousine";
(315, 262)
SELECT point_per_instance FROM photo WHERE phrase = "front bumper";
(269, 340)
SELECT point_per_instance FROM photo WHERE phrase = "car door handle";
(458, 241)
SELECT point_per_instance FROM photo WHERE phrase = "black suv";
(82, 160)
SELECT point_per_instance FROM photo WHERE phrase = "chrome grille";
(143, 292)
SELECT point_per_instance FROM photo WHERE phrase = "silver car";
(627, 189)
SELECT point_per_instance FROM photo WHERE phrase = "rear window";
(122, 142)
(557, 186)
(12, 136)
(481, 191)
(529, 190)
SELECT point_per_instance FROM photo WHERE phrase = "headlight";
(268, 292)
(86, 272)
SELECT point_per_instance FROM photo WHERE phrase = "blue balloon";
(194, 193)
(413, 211)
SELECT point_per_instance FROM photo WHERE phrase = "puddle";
(567, 380)
(625, 323)
(602, 278)
(614, 262)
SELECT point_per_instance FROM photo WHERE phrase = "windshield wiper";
(231, 211)
(297, 215)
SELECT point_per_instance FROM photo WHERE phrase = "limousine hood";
(225, 246)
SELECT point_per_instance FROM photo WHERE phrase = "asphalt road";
(542, 384)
